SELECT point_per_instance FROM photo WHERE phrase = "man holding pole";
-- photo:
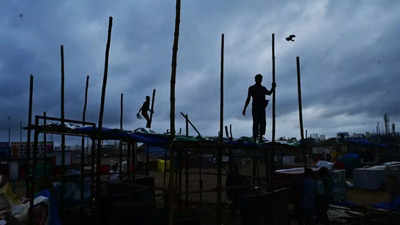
(259, 103)
(143, 110)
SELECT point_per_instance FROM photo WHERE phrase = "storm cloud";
(349, 55)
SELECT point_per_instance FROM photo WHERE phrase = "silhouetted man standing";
(143, 110)
(259, 103)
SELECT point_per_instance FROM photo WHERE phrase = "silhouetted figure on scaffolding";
(143, 110)
(259, 103)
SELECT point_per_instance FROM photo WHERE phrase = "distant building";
(358, 135)
(342, 135)
(318, 137)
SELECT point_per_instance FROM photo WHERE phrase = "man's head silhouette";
(147, 98)
(258, 78)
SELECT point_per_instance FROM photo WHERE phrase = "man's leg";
(263, 123)
(146, 116)
(255, 124)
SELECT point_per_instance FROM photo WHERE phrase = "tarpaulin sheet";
(54, 218)
(363, 141)
(393, 205)
(163, 140)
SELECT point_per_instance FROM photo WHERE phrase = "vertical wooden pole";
(92, 175)
(152, 106)
(221, 118)
(187, 124)
(100, 123)
(274, 93)
(128, 162)
(147, 147)
(201, 178)
(221, 130)
(270, 155)
(171, 189)
(28, 146)
(28, 136)
(120, 142)
(186, 179)
(62, 136)
(33, 168)
(134, 145)
(180, 169)
(83, 144)
(45, 150)
(254, 169)
(226, 132)
(300, 108)
(165, 168)
(230, 131)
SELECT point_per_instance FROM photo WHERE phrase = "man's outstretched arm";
(269, 92)
(247, 103)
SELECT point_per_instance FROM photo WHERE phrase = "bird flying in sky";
(291, 37)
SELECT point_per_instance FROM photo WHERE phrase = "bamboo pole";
(147, 159)
(230, 131)
(45, 148)
(187, 124)
(33, 168)
(171, 188)
(165, 168)
(186, 179)
(190, 122)
(201, 177)
(83, 144)
(128, 162)
(100, 123)
(62, 136)
(152, 106)
(92, 175)
(300, 108)
(134, 145)
(270, 155)
(221, 130)
(121, 128)
(274, 93)
(180, 168)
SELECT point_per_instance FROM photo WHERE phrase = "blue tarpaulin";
(53, 217)
(393, 205)
(163, 140)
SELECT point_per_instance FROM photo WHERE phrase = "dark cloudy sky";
(349, 54)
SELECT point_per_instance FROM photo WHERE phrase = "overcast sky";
(349, 55)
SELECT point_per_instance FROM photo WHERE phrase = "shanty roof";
(158, 139)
